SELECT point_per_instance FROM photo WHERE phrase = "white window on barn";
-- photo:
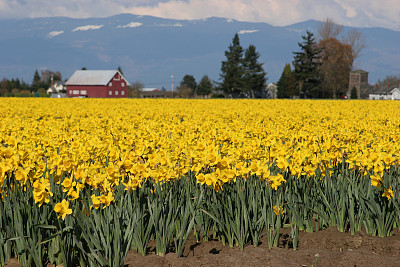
(122, 84)
(109, 92)
(116, 92)
(110, 84)
(83, 92)
(76, 92)
(116, 78)
(70, 92)
(122, 92)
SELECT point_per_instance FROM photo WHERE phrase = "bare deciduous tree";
(337, 61)
(184, 91)
(135, 90)
(390, 80)
(328, 29)
(357, 42)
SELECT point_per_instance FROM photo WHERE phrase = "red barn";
(97, 83)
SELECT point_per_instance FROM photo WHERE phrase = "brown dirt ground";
(324, 248)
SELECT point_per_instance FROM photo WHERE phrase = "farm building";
(153, 93)
(359, 80)
(56, 88)
(97, 83)
(393, 94)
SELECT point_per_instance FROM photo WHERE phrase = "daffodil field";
(83, 181)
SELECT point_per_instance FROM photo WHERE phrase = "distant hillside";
(150, 49)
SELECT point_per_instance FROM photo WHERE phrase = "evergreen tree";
(306, 67)
(353, 93)
(120, 70)
(24, 85)
(189, 81)
(188, 86)
(232, 69)
(15, 84)
(283, 82)
(36, 81)
(254, 74)
(205, 86)
(287, 83)
(36, 77)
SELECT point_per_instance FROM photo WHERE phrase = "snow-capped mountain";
(150, 49)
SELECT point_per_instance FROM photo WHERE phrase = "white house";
(393, 94)
(272, 90)
(56, 88)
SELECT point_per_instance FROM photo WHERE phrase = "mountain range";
(150, 49)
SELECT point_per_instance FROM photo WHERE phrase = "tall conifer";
(306, 67)
(254, 74)
(232, 69)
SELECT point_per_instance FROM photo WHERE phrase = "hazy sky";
(363, 13)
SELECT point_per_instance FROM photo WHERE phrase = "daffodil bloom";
(376, 180)
(107, 199)
(209, 179)
(68, 183)
(96, 201)
(73, 194)
(218, 141)
(201, 178)
(278, 209)
(41, 192)
(132, 184)
(63, 209)
(22, 175)
(388, 193)
(276, 180)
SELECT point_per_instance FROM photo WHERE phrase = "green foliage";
(217, 95)
(232, 69)
(353, 93)
(36, 78)
(38, 82)
(11, 87)
(306, 67)
(239, 214)
(287, 83)
(205, 86)
(119, 69)
(187, 87)
(242, 75)
(189, 81)
(254, 74)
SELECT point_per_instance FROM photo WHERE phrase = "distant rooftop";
(91, 77)
(149, 89)
(359, 71)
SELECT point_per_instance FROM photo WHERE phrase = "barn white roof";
(92, 77)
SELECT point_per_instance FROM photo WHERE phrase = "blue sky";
(358, 13)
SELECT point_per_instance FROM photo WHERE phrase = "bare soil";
(324, 248)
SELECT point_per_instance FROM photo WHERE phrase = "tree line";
(322, 69)
(39, 85)
(242, 75)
